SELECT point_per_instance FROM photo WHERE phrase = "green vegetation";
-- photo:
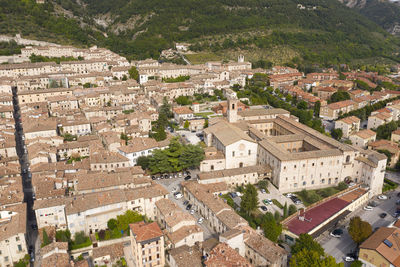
(46, 240)
(128, 111)
(311, 196)
(69, 137)
(363, 113)
(263, 184)
(337, 134)
(385, 131)
(10, 48)
(229, 200)
(356, 263)
(339, 96)
(23, 262)
(89, 85)
(307, 252)
(134, 73)
(388, 185)
(277, 203)
(387, 154)
(177, 79)
(272, 228)
(183, 100)
(80, 241)
(141, 29)
(34, 59)
(204, 114)
(249, 199)
(292, 209)
(75, 158)
(119, 227)
(175, 158)
(359, 230)
(254, 90)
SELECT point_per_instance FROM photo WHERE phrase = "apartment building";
(147, 244)
(348, 125)
(334, 110)
(362, 138)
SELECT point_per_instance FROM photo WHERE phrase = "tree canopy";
(249, 199)
(339, 96)
(359, 230)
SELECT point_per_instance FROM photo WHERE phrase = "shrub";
(112, 224)
(292, 209)
(102, 234)
(342, 186)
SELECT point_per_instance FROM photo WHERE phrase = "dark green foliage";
(363, 113)
(385, 131)
(271, 228)
(356, 263)
(34, 59)
(46, 240)
(228, 199)
(143, 162)
(317, 108)
(175, 158)
(80, 241)
(305, 241)
(112, 224)
(249, 199)
(339, 96)
(292, 209)
(302, 105)
(10, 48)
(183, 100)
(387, 154)
(285, 210)
(134, 73)
(63, 236)
(359, 230)
(23, 262)
(309, 197)
(307, 258)
(337, 134)
(177, 79)
(342, 186)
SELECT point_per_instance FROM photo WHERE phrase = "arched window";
(347, 159)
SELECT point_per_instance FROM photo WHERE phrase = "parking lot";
(340, 247)
(189, 137)
(173, 185)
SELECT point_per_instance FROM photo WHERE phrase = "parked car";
(337, 233)
(179, 196)
(382, 197)
(382, 215)
(185, 202)
(239, 194)
(398, 194)
(348, 259)
(296, 200)
(233, 194)
(264, 208)
(200, 220)
(290, 195)
(263, 191)
(368, 208)
(188, 207)
(188, 177)
(32, 255)
(373, 204)
(267, 201)
(153, 177)
(192, 212)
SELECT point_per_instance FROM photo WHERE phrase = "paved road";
(172, 186)
(26, 180)
(339, 247)
(393, 176)
(275, 194)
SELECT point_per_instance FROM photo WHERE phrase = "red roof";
(316, 215)
(145, 231)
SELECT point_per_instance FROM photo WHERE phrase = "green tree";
(272, 229)
(356, 263)
(46, 239)
(359, 230)
(112, 224)
(292, 209)
(302, 105)
(249, 199)
(310, 258)
(63, 236)
(134, 73)
(339, 96)
(186, 125)
(127, 218)
(191, 157)
(285, 210)
(159, 134)
(317, 108)
(342, 186)
(385, 131)
(143, 162)
(306, 242)
(183, 100)
(337, 134)
(387, 154)
(206, 123)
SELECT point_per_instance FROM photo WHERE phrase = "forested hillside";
(324, 31)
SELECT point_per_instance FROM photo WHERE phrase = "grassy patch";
(389, 185)
(201, 58)
(204, 114)
(277, 203)
(228, 199)
(87, 243)
(311, 196)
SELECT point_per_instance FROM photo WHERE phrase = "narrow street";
(31, 224)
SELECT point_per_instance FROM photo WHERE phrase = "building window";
(249, 152)
(233, 153)
(17, 238)
(19, 248)
(304, 183)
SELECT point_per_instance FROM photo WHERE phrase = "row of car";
(189, 208)
(185, 174)
(294, 198)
